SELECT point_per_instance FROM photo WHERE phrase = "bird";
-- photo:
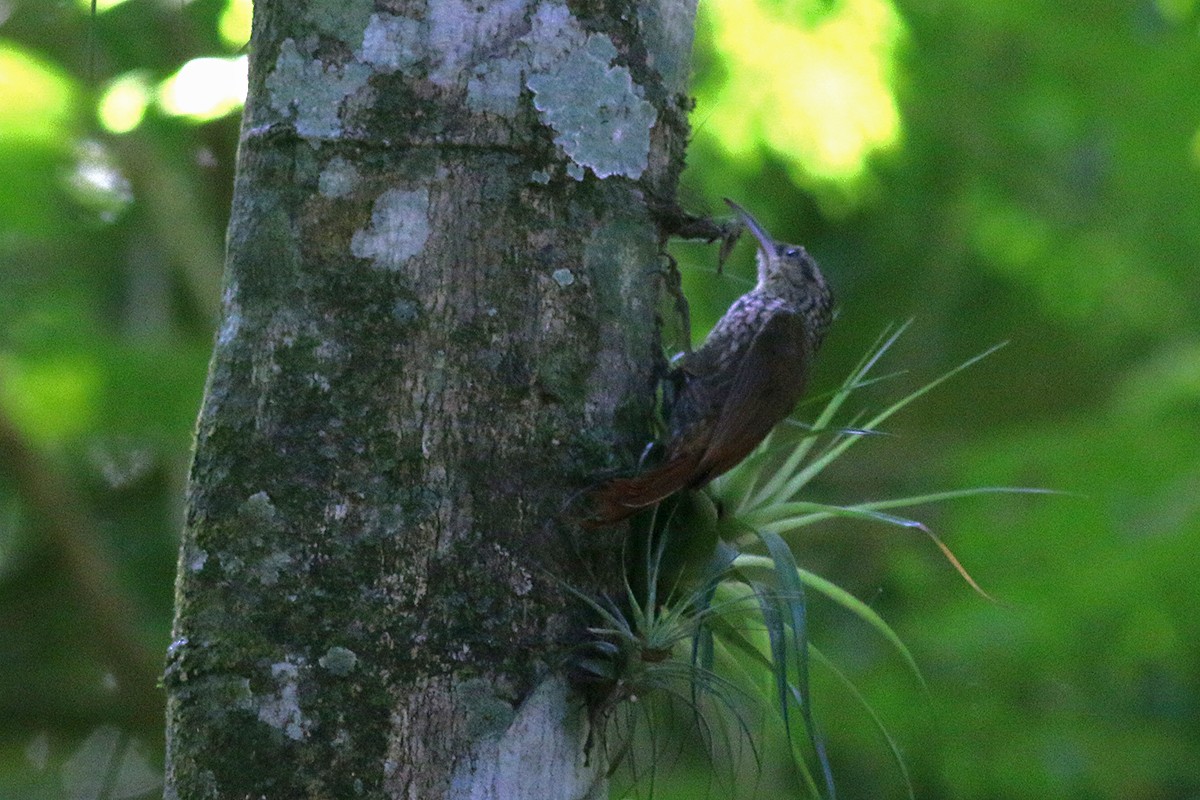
(744, 379)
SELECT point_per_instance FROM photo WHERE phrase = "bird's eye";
(792, 252)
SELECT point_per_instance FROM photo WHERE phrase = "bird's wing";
(764, 389)
(705, 377)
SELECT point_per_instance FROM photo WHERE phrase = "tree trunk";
(439, 322)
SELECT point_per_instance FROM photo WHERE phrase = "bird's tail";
(619, 498)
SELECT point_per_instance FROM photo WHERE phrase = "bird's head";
(787, 269)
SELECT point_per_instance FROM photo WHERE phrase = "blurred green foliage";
(1020, 171)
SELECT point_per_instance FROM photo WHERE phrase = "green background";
(1021, 171)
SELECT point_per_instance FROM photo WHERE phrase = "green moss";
(604, 257)
(403, 113)
(473, 333)
(345, 20)
(634, 418)
(589, 446)
(562, 377)
(261, 218)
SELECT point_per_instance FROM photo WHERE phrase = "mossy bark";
(439, 322)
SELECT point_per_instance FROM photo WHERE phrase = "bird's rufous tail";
(619, 498)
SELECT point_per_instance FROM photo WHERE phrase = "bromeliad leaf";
(794, 610)
(846, 600)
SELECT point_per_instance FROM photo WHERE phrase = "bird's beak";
(764, 239)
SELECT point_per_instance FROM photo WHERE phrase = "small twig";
(675, 223)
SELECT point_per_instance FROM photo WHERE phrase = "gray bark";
(439, 322)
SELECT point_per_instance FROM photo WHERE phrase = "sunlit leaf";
(100, 5)
(123, 102)
(36, 99)
(234, 23)
(52, 399)
(205, 88)
(815, 87)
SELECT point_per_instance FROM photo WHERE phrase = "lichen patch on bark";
(599, 115)
(310, 92)
(398, 230)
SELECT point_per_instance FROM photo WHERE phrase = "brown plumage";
(745, 378)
